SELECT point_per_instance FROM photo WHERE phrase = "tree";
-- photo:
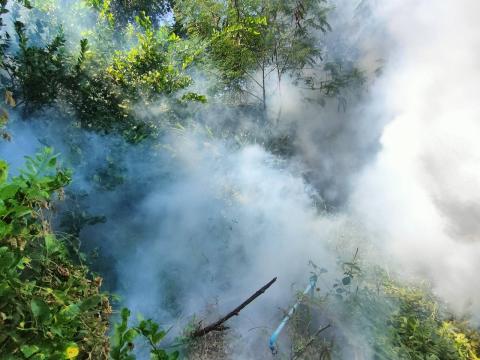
(251, 39)
(101, 81)
(155, 65)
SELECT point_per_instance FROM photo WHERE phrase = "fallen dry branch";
(218, 325)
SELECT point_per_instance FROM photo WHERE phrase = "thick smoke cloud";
(421, 195)
(218, 225)
(197, 223)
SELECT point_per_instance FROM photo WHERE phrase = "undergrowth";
(50, 306)
(376, 317)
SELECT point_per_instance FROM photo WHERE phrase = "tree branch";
(251, 94)
(218, 325)
(253, 78)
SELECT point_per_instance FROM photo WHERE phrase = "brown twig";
(218, 325)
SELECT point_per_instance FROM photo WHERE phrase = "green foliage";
(419, 328)
(246, 37)
(102, 82)
(40, 75)
(385, 319)
(337, 78)
(39, 71)
(124, 11)
(127, 10)
(233, 33)
(154, 66)
(122, 341)
(467, 341)
(49, 308)
(104, 9)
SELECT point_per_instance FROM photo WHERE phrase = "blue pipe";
(273, 339)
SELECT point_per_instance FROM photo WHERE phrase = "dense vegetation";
(51, 307)
(108, 66)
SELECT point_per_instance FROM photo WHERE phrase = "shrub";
(50, 307)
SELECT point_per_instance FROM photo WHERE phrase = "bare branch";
(218, 325)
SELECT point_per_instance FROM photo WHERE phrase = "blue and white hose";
(308, 290)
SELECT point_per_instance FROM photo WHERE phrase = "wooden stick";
(218, 325)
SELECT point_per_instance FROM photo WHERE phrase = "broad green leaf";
(52, 162)
(57, 330)
(8, 191)
(70, 312)
(29, 350)
(90, 302)
(5, 289)
(21, 211)
(7, 258)
(40, 309)
(130, 335)
(51, 244)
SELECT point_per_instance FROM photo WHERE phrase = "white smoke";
(421, 196)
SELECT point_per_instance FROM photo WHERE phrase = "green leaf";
(90, 303)
(158, 336)
(174, 355)
(346, 280)
(5, 289)
(40, 309)
(125, 314)
(51, 244)
(52, 162)
(21, 211)
(26, 3)
(29, 350)
(190, 96)
(57, 330)
(70, 312)
(23, 262)
(9, 191)
(130, 335)
(3, 171)
(39, 356)
(159, 354)
(7, 258)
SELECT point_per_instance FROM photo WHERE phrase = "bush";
(50, 308)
